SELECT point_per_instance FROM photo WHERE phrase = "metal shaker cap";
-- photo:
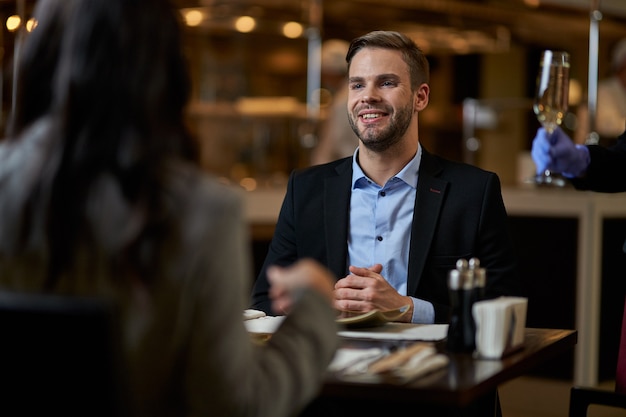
(455, 281)
(474, 263)
(460, 280)
(462, 264)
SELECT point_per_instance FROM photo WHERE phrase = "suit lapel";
(428, 202)
(337, 191)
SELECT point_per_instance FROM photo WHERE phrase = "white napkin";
(354, 360)
(500, 325)
(400, 331)
(356, 364)
(421, 364)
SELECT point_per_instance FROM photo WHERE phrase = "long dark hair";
(112, 77)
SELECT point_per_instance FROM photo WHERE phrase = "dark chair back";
(582, 397)
(59, 356)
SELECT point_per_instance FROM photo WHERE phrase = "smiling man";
(392, 219)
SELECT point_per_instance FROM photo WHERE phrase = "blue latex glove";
(557, 152)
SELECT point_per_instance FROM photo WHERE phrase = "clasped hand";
(365, 290)
(556, 152)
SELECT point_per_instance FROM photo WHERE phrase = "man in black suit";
(392, 219)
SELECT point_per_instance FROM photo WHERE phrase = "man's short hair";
(411, 53)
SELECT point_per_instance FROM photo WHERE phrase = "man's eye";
(388, 83)
(356, 86)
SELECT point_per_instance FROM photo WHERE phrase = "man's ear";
(421, 97)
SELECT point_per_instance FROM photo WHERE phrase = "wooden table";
(466, 387)
(589, 209)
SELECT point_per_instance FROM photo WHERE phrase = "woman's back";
(185, 343)
(100, 196)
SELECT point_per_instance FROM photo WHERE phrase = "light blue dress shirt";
(380, 227)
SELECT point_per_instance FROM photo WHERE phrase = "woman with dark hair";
(100, 195)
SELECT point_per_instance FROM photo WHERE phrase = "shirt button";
(382, 193)
(379, 238)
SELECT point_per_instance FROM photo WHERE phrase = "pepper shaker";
(480, 278)
(462, 328)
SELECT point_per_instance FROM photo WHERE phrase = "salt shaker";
(462, 328)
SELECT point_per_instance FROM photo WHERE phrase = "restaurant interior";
(260, 99)
(260, 95)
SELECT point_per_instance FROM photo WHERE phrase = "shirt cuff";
(423, 312)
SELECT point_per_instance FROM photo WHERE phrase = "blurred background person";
(100, 195)
(336, 139)
(611, 113)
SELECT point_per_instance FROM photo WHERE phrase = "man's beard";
(379, 141)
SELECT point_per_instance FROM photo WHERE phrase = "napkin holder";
(500, 325)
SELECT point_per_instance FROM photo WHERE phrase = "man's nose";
(370, 94)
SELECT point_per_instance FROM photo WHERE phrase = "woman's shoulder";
(198, 196)
(23, 160)
(31, 147)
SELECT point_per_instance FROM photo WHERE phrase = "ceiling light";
(245, 24)
(13, 22)
(193, 17)
(292, 30)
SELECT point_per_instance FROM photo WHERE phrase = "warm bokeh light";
(248, 183)
(245, 24)
(575, 92)
(13, 22)
(193, 17)
(31, 24)
(292, 30)
(459, 45)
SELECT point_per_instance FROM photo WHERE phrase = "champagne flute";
(551, 100)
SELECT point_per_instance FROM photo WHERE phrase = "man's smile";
(369, 116)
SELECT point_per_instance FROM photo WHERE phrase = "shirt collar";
(408, 174)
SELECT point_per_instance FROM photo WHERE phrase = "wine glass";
(551, 100)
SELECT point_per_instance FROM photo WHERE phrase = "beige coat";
(187, 349)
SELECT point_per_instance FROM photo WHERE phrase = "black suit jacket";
(607, 168)
(459, 213)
